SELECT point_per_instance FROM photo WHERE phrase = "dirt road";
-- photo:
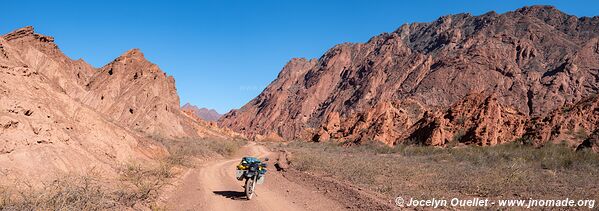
(214, 187)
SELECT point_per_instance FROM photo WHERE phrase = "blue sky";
(224, 53)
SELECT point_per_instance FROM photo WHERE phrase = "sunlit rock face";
(523, 64)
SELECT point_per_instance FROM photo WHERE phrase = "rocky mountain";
(427, 82)
(62, 115)
(203, 113)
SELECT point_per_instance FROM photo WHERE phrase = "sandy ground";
(213, 187)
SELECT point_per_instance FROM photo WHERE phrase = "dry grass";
(182, 151)
(502, 171)
(66, 193)
(141, 184)
(138, 185)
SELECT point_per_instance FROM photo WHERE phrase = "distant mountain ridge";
(203, 113)
(460, 79)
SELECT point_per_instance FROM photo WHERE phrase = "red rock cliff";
(535, 60)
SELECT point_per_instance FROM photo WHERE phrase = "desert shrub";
(141, 183)
(225, 147)
(181, 151)
(417, 150)
(566, 109)
(461, 120)
(457, 137)
(525, 140)
(65, 193)
(581, 134)
(560, 157)
(5, 198)
(377, 148)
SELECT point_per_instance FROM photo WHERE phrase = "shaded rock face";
(62, 115)
(203, 113)
(592, 142)
(535, 60)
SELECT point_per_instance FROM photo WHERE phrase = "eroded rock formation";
(62, 115)
(574, 124)
(478, 119)
(535, 59)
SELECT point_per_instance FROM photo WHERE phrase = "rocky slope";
(62, 115)
(575, 124)
(203, 113)
(137, 94)
(478, 119)
(535, 60)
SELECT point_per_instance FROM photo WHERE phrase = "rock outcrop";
(478, 119)
(535, 59)
(137, 94)
(574, 124)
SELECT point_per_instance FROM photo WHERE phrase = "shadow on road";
(235, 195)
